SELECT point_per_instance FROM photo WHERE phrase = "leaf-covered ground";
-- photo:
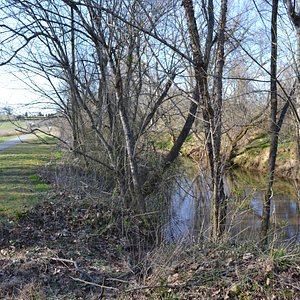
(62, 250)
(77, 249)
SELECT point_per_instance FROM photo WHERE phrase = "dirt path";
(15, 141)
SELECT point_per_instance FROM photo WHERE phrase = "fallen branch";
(118, 280)
(151, 287)
(64, 261)
(94, 284)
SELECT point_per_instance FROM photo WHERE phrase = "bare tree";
(100, 62)
(273, 120)
(120, 73)
(212, 112)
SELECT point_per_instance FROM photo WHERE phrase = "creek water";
(189, 209)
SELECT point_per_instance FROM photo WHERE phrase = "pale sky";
(17, 95)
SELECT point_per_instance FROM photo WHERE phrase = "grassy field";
(20, 186)
(7, 125)
(7, 137)
(8, 128)
(11, 127)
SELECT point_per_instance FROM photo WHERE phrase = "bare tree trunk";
(295, 18)
(298, 91)
(200, 72)
(174, 152)
(132, 161)
(234, 148)
(201, 62)
(129, 139)
(273, 124)
(74, 110)
(219, 199)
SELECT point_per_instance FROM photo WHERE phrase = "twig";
(292, 285)
(146, 214)
(155, 287)
(118, 280)
(94, 284)
(288, 283)
(64, 261)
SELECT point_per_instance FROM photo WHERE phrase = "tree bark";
(74, 110)
(274, 129)
(129, 139)
(219, 198)
(212, 112)
(298, 90)
(295, 18)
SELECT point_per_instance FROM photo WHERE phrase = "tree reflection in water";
(189, 211)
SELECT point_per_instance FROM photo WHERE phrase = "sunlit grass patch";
(34, 178)
(41, 187)
(57, 154)
(20, 186)
(7, 138)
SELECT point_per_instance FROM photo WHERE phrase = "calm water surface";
(189, 209)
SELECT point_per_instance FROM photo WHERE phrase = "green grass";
(20, 186)
(9, 129)
(41, 187)
(164, 145)
(254, 155)
(6, 138)
(7, 125)
(262, 141)
(259, 143)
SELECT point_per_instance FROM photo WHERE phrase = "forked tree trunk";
(212, 112)
(129, 138)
